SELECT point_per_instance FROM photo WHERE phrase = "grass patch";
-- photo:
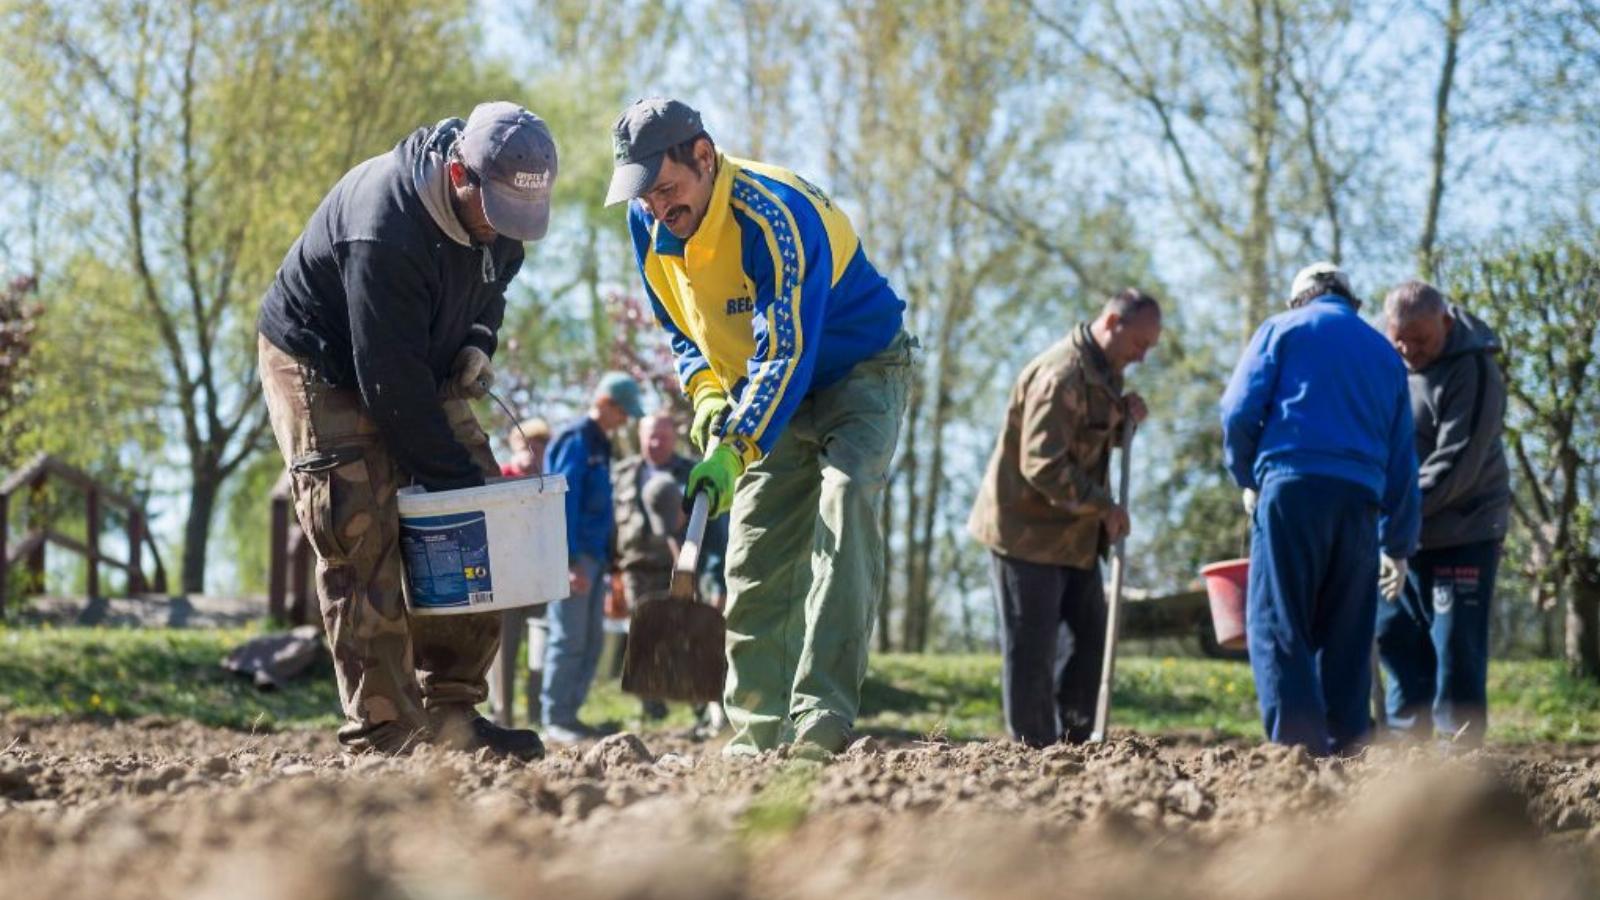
(782, 804)
(958, 697)
(174, 673)
(124, 672)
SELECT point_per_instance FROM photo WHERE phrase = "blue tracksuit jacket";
(1321, 392)
(582, 452)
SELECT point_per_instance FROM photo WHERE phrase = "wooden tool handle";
(689, 555)
(1108, 669)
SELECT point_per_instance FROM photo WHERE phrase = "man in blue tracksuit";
(582, 452)
(1317, 429)
(1433, 631)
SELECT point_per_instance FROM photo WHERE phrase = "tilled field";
(158, 809)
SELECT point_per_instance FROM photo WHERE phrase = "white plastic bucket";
(485, 549)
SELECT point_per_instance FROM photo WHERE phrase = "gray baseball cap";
(620, 387)
(643, 134)
(514, 156)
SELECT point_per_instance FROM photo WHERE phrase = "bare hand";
(578, 582)
(1392, 577)
(1137, 411)
(1117, 524)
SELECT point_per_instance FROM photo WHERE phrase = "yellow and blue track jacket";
(771, 298)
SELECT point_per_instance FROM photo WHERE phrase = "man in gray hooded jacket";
(1433, 634)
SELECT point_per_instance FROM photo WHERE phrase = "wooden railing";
(290, 596)
(29, 483)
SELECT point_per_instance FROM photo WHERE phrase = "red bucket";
(1225, 588)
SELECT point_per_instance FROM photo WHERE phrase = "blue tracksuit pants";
(1309, 613)
(1434, 642)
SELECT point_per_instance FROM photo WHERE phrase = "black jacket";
(376, 297)
(1459, 404)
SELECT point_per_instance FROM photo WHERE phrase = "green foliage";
(246, 521)
(1543, 300)
(18, 312)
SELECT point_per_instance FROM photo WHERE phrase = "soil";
(152, 808)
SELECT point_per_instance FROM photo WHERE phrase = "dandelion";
(94, 700)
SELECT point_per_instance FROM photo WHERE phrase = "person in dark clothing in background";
(1433, 633)
(379, 325)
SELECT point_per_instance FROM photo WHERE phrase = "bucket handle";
(515, 422)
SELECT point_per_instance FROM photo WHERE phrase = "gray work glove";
(1250, 497)
(1391, 577)
(472, 374)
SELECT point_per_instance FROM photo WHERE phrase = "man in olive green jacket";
(1045, 512)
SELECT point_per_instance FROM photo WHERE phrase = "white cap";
(1320, 271)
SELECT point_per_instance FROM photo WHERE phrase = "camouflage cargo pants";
(396, 673)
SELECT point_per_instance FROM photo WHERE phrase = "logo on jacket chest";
(739, 306)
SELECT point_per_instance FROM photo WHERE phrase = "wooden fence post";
(300, 575)
(5, 551)
(278, 561)
(35, 562)
(92, 538)
(136, 582)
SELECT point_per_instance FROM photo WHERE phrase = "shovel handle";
(689, 554)
(1108, 668)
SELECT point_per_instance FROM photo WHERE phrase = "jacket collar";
(704, 239)
(1095, 362)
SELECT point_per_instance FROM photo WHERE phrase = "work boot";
(516, 743)
(463, 729)
(821, 734)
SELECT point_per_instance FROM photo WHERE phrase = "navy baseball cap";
(641, 138)
(514, 156)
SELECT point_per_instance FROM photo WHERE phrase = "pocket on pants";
(334, 500)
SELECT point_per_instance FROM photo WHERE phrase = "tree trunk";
(1263, 118)
(1583, 628)
(913, 472)
(1453, 26)
(197, 528)
(886, 519)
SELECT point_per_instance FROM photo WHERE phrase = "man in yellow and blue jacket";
(791, 347)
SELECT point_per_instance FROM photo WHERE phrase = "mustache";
(676, 211)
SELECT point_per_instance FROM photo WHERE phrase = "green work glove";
(716, 475)
(710, 409)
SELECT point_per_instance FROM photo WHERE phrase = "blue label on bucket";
(447, 560)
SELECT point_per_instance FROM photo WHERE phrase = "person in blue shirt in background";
(1317, 429)
(581, 451)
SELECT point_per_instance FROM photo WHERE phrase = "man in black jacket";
(1433, 634)
(379, 326)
